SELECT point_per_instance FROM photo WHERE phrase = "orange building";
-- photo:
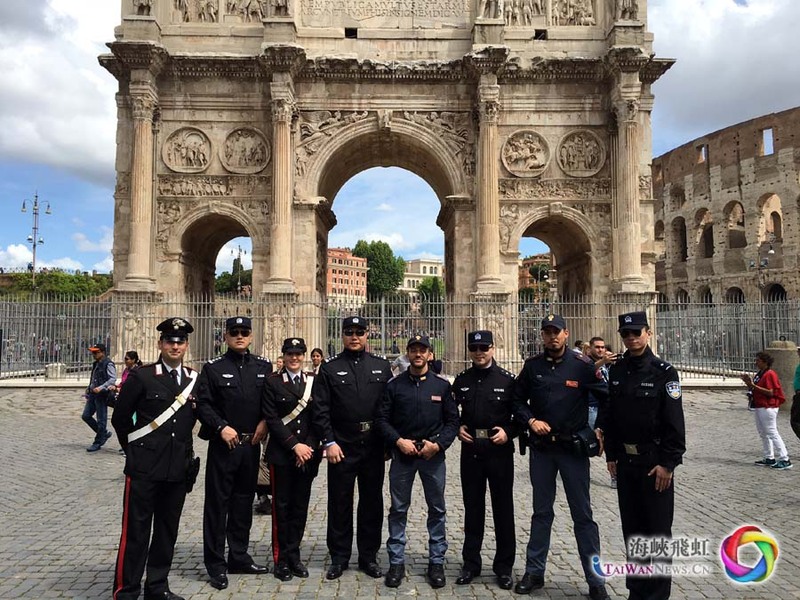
(347, 276)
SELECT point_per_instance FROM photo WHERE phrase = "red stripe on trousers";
(276, 550)
(123, 538)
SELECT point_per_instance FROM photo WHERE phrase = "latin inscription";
(365, 9)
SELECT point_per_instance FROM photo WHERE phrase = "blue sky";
(57, 122)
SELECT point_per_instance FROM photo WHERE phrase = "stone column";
(139, 276)
(625, 208)
(488, 206)
(280, 278)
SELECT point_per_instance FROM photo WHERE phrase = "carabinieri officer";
(153, 419)
(229, 407)
(645, 439)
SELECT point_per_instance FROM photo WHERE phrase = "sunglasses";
(630, 333)
(354, 332)
(239, 332)
(479, 347)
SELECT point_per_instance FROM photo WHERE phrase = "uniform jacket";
(278, 400)
(485, 398)
(644, 407)
(229, 392)
(418, 408)
(162, 454)
(557, 391)
(347, 392)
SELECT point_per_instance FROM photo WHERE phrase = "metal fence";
(711, 339)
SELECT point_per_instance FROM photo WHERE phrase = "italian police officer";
(159, 455)
(551, 397)
(645, 438)
(347, 392)
(229, 407)
(293, 453)
(487, 456)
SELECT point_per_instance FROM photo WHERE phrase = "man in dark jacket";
(347, 391)
(418, 420)
(293, 453)
(645, 439)
(229, 395)
(551, 397)
(158, 449)
(487, 456)
(103, 377)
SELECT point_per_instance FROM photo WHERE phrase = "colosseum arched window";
(734, 218)
(679, 248)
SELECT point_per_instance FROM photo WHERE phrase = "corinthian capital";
(143, 107)
(282, 110)
(627, 110)
(488, 102)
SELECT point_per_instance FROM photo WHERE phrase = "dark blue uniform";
(643, 426)
(347, 392)
(484, 396)
(229, 393)
(556, 390)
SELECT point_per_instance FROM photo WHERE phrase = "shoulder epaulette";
(664, 364)
(394, 377)
(216, 359)
(463, 372)
(259, 357)
(440, 376)
(380, 356)
(583, 358)
(504, 372)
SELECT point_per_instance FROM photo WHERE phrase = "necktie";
(174, 374)
(297, 383)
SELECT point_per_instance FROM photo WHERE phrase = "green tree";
(229, 282)
(385, 269)
(57, 283)
(431, 291)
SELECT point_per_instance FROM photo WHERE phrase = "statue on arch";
(627, 10)
(490, 9)
(142, 8)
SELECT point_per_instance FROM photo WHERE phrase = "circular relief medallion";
(187, 150)
(581, 153)
(245, 151)
(525, 153)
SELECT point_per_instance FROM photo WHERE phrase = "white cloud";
(16, 256)
(84, 244)
(384, 207)
(104, 266)
(66, 264)
(394, 239)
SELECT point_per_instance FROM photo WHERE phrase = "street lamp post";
(35, 239)
(239, 269)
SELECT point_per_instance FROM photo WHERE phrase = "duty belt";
(482, 434)
(364, 426)
(244, 438)
(639, 449)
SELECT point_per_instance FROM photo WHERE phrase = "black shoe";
(251, 569)
(282, 572)
(372, 569)
(218, 581)
(505, 582)
(263, 506)
(435, 575)
(395, 575)
(335, 571)
(529, 582)
(465, 577)
(598, 592)
(163, 596)
(298, 569)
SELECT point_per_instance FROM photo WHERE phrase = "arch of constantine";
(245, 118)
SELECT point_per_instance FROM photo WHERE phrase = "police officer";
(487, 455)
(645, 438)
(293, 453)
(551, 396)
(418, 420)
(158, 449)
(229, 407)
(346, 394)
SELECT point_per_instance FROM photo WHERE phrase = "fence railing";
(713, 339)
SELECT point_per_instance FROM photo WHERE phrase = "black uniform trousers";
(231, 477)
(497, 469)
(644, 512)
(291, 493)
(365, 464)
(148, 506)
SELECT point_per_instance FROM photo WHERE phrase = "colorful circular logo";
(729, 553)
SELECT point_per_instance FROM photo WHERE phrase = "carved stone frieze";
(257, 208)
(525, 153)
(455, 129)
(123, 186)
(526, 189)
(573, 12)
(511, 214)
(245, 151)
(196, 11)
(581, 153)
(187, 150)
(645, 186)
(206, 186)
(316, 128)
(169, 213)
(520, 13)
(368, 69)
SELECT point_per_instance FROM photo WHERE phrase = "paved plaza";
(60, 514)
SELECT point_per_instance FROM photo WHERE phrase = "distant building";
(416, 271)
(526, 279)
(346, 277)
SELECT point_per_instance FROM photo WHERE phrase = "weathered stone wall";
(735, 199)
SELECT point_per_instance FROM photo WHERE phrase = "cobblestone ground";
(60, 515)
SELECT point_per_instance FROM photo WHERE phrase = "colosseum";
(727, 228)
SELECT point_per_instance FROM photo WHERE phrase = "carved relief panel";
(195, 11)
(521, 13)
(187, 150)
(525, 153)
(245, 151)
(581, 153)
(573, 12)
